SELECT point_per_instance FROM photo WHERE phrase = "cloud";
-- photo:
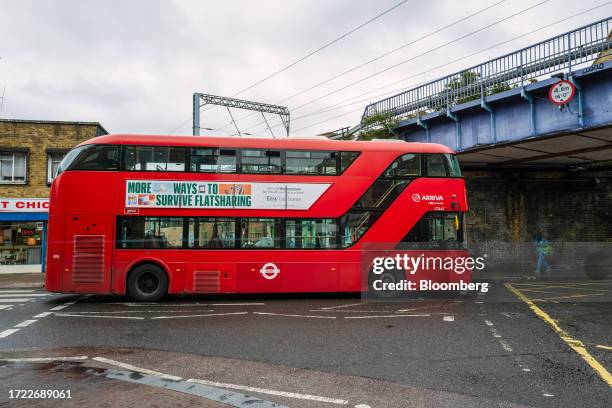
(133, 65)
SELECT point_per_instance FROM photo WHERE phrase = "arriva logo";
(417, 197)
(269, 271)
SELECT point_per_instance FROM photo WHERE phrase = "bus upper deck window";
(408, 165)
(260, 161)
(154, 158)
(213, 160)
(453, 165)
(436, 166)
(96, 157)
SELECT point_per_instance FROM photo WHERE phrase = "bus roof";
(300, 143)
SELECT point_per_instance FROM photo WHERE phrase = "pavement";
(528, 343)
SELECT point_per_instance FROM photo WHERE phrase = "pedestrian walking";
(543, 249)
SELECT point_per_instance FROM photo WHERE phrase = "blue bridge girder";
(498, 112)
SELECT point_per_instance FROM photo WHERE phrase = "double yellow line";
(574, 344)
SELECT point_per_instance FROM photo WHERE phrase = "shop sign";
(24, 205)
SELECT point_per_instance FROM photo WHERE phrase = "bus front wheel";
(147, 283)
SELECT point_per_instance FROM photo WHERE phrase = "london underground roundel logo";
(562, 92)
(269, 271)
(416, 198)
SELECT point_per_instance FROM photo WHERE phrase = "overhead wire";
(369, 76)
(310, 54)
(340, 104)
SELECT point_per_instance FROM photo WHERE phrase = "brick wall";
(513, 206)
(37, 137)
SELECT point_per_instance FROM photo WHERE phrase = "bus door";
(87, 253)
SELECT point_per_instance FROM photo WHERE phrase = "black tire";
(147, 283)
(598, 265)
(388, 277)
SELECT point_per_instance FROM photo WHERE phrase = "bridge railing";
(567, 52)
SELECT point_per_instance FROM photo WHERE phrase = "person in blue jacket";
(543, 249)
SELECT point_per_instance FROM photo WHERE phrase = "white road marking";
(25, 323)
(505, 345)
(140, 311)
(15, 300)
(5, 306)
(488, 323)
(341, 306)
(548, 395)
(134, 368)
(16, 290)
(7, 333)
(60, 307)
(362, 406)
(384, 316)
(10, 295)
(43, 314)
(352, 311)
(99, 316)
(270, 392)
(196, 315)
(42, 359)
(294, 315)
(449, 318)
(186, 304)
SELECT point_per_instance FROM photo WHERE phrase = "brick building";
(30, 151)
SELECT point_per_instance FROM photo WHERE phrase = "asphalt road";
(536, 344)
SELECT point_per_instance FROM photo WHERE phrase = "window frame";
(13, 152)
(50, 173)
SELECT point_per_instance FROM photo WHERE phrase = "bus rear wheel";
(147, 283)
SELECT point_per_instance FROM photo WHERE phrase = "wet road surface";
(541, 344)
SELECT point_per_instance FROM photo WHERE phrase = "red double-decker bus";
(151, 215)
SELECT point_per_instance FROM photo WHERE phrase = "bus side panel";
(310, 276)
(87, 253)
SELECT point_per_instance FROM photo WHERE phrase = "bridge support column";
(532, 115)
(424, 126)
(580, 97)
(484, 105)
(455, 117)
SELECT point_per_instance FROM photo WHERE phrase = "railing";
(566, 52)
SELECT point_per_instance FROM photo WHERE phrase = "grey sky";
(133, 65)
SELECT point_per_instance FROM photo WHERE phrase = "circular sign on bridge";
(562, 92)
